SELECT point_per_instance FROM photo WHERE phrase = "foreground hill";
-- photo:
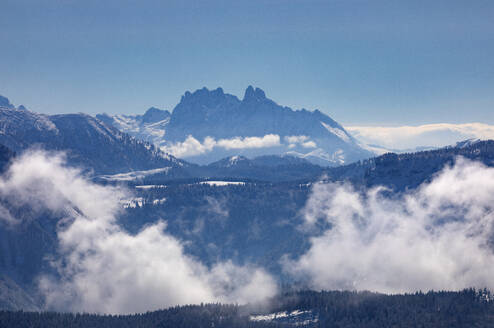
(467, 308)
(89, 143)
(208, 125)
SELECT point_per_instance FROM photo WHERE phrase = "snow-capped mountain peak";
(208, 125)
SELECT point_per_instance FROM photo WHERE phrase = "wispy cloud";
(269, 140)
(436, 237)
(304, 141)
(103, 268)
(192, 147)
(410, 137)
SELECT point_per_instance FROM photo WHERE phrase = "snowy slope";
(88, 142)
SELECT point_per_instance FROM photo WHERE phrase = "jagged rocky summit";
(208, 125)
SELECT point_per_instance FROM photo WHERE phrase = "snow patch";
(140, 201)
(134, 175)
(296, 317)
(336, 131)
(222, 183)
(145, 187)
(133, 202)
(46, 123)
(301, 140)
(159, 201)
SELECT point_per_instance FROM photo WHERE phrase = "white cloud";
(193, 147)
(217, 206)
(190, 147)
(309, 144)
(301, 140)
(6, 216)
(269, 140)
(436, 237)
(411, 137)
(103, 268)
(296, 139)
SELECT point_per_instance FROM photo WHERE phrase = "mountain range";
(102, 150)
(208, 125)
(245, 209)
(88, 143)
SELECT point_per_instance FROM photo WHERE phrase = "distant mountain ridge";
(96, 146)
(208, 125)
(150, 126)
(88, 142)
(409, 170)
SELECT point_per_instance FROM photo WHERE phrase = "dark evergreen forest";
(466, 308)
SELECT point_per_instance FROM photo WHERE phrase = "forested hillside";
(467, 308)
(407, 171)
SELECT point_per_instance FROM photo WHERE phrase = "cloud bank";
(430, 135)
(104, 269)
(436, 237)
(193, 147)
(302, 140)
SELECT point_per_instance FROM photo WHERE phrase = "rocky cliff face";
(208, 125)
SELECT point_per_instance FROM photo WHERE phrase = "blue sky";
(361, 62)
